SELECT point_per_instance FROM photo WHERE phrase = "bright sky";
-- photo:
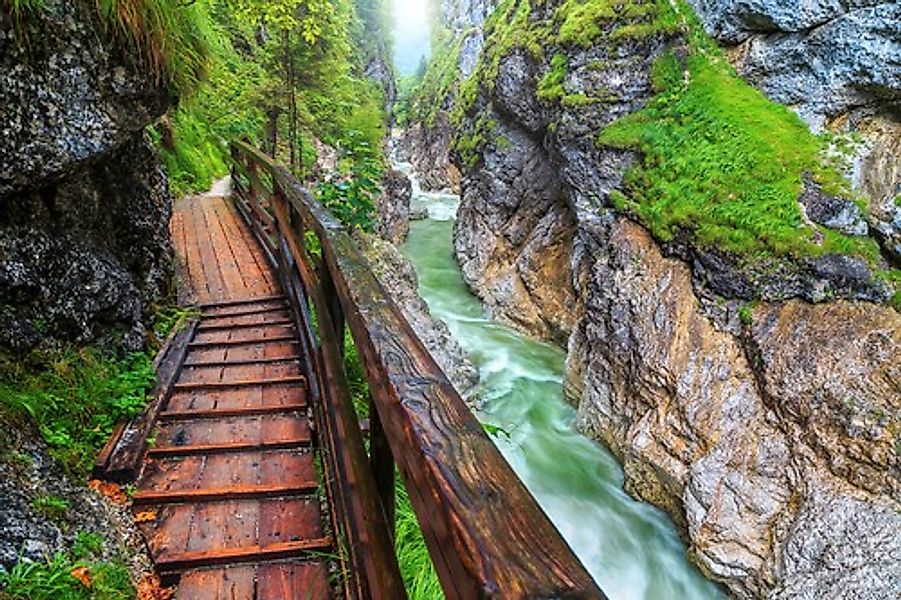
(411, 33)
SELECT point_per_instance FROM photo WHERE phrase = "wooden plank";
(204, 306)
(194, 560)
(238, 398)
(232, 326)
(232, 583)
(236, 363)
(212, 385)
(230, 412)
(245, 313)
(206, 449)
(249, 370)
(249, 342)
(145, 497)
(293, 581)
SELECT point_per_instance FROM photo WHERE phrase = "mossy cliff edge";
(724, 288)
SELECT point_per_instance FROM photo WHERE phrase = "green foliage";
(416, 568)
(302, 79)
(439, 80)
(351, 196)
(54, 508)
(168, 317)
(724, 162)
(74, 397)
(54, 579)
(170, 36)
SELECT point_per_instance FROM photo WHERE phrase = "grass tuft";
(74, 397)
(75, 575)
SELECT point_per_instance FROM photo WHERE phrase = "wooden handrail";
(485, 532)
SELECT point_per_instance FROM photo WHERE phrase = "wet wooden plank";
(257, 554)
(248, 397)
(257, 429)
(293, 581)
(232, 583)
(239, 383)
(289, 520)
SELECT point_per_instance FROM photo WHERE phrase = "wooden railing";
(485, 533)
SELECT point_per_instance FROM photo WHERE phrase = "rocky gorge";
(754, 395)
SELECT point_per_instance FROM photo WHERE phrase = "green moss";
(550, 86)
(721, 160)
(581, 22)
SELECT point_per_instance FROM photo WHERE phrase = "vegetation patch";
(74, 397)
(722, 161)
(79, 574)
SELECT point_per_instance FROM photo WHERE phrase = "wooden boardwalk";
(229, 496)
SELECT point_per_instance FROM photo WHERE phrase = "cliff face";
(84, 204)
(755, 396)
(428, 142)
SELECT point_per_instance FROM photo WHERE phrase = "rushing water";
(629, 547)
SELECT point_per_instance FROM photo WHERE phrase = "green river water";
(629, 547)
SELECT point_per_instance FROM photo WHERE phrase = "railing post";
(382, 464)
(334, 303)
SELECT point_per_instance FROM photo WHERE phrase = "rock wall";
(767, 429)
(429, 142)
(84, 204)
(398, 277)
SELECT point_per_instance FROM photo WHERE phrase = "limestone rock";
(67, 96)
(512, 237)
(398, 277)
(87, 257)
(429, 151)
(835, 213)
(393, 219)
(84, 203)
(824, 57)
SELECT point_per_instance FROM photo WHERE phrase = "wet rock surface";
(429, 151)
(67, 95)
(823, 57)
(85, 258)
(695, 366)
(84, 203)
(28, 474)
(777, 459)
(398, 277)
(393, 219)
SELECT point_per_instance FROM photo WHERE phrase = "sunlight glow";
(411, 33)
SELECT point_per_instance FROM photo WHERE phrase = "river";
(629, 547)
